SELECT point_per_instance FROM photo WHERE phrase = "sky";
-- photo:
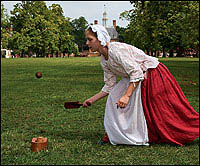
(90, 10)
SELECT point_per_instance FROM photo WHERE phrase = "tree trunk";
(147, 51)
(22, 53)
(151, 53)
(82, 48)
(30, 53)
(197, 51)
(155, 53)
(171, 53)
(164, 55)
(180, 52)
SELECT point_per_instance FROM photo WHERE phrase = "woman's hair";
(93, 33)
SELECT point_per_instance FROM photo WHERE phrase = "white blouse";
(126, 61)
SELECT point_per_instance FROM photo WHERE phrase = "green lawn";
(32, 107)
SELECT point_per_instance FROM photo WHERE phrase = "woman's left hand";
(123, 101)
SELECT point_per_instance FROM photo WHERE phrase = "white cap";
(102, 34)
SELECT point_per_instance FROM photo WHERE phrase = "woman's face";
(92, 42)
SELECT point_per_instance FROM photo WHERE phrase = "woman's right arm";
(94, 98)
(110, 81)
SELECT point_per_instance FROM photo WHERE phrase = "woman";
(147, 105)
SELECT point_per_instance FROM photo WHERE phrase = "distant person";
(16, 55)
(147, 105)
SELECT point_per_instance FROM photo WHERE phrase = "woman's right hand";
(87, 103)
(94, 98)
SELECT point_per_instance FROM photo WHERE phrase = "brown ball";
(38, 74)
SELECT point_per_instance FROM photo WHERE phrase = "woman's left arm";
(127, 58)
(123, 101)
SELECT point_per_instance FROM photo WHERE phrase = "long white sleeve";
(109, 78)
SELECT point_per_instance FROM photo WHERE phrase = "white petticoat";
(128, 125)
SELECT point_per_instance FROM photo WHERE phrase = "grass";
(32, 107)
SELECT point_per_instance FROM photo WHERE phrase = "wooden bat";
(74, 104)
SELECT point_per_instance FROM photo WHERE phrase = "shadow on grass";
(87, 136)
(95, 136)
(195, 142)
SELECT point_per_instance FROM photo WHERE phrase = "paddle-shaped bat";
(74, 104)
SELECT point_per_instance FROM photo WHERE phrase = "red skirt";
(169, 116)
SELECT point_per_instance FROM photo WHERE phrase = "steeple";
(104, 16)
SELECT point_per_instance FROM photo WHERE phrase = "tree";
(65, 42)
(188, 25)
(38, 29)
(79, 27)
(163, 25)
(121, 32)
(5, 27)
(28, 22)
